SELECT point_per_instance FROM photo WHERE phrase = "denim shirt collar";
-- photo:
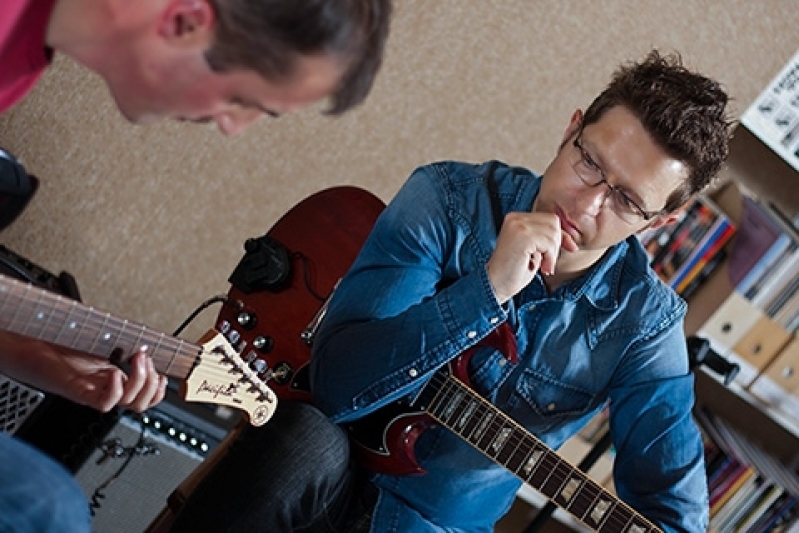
(601, 285)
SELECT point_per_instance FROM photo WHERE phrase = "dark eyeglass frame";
(586, 157)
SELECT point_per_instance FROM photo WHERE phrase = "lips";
(569, 231)
(566, 224)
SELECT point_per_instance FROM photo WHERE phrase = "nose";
(231, 123)
(592, 199)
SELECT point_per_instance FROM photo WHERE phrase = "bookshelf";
(755, 171)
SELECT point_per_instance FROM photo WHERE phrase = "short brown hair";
(684, 112)
(269, 36)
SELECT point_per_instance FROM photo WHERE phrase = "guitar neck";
(34, 312)
(457, 407)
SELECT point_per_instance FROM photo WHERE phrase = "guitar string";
(618, 518)
(59, 314)
(176, 353)
(611, 517)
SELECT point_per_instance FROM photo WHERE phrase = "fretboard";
(481, 424)
(34, 312)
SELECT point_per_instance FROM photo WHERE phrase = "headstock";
(219, 376)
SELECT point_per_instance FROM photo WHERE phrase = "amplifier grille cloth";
(17, 403)
(133, 500)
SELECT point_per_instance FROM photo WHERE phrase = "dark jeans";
(37, 494)
(292, 474)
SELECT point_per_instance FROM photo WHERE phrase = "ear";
(664, 220)
(187, 21)
(574, 125)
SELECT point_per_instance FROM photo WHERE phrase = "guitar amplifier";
(16, 266)
(138, 464)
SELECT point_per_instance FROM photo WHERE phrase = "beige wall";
(151, 220)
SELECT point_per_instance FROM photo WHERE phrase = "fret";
(488, 444)
(508, 451)
(560, 474)
(599, 513)
(68, 329)
(624, 519)
(495, 434)
(137, 344)
(442, 405)
(587, 496)
(479, 431)
(121, 337)
(466, 416)
(517, 459)
(451, 405)
(175, 353)
(469, 425)
(568, 490)
(156, 349)
(15, 316)
(37, 321)
(101, 346)
(531, 463)
(83, 337)
(499, 441)
(546, 466)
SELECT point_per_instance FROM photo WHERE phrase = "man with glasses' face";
(609, 180)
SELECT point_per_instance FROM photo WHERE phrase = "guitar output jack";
(282, 373)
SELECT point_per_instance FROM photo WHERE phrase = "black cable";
(111, 449)
(306, 276)
(222, 298)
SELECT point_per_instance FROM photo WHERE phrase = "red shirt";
(23, 53)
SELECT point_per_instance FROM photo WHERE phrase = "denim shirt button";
(494, 320)
(413, 372)
(551, 407)
(471, 334)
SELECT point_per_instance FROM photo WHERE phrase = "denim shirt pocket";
(543, 404)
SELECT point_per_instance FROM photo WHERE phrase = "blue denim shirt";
(418, 295)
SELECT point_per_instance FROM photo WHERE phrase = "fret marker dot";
(73, 325)
(106, 336)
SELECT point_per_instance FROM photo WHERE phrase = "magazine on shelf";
(774, 115)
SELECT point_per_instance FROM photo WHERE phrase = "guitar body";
(385, 440)
(284, 279)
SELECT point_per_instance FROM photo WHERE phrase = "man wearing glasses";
(465, 249)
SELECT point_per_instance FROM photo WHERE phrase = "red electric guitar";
(277, 300)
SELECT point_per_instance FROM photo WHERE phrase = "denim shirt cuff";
(471, 311)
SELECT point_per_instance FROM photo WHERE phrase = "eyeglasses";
(620, 203)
